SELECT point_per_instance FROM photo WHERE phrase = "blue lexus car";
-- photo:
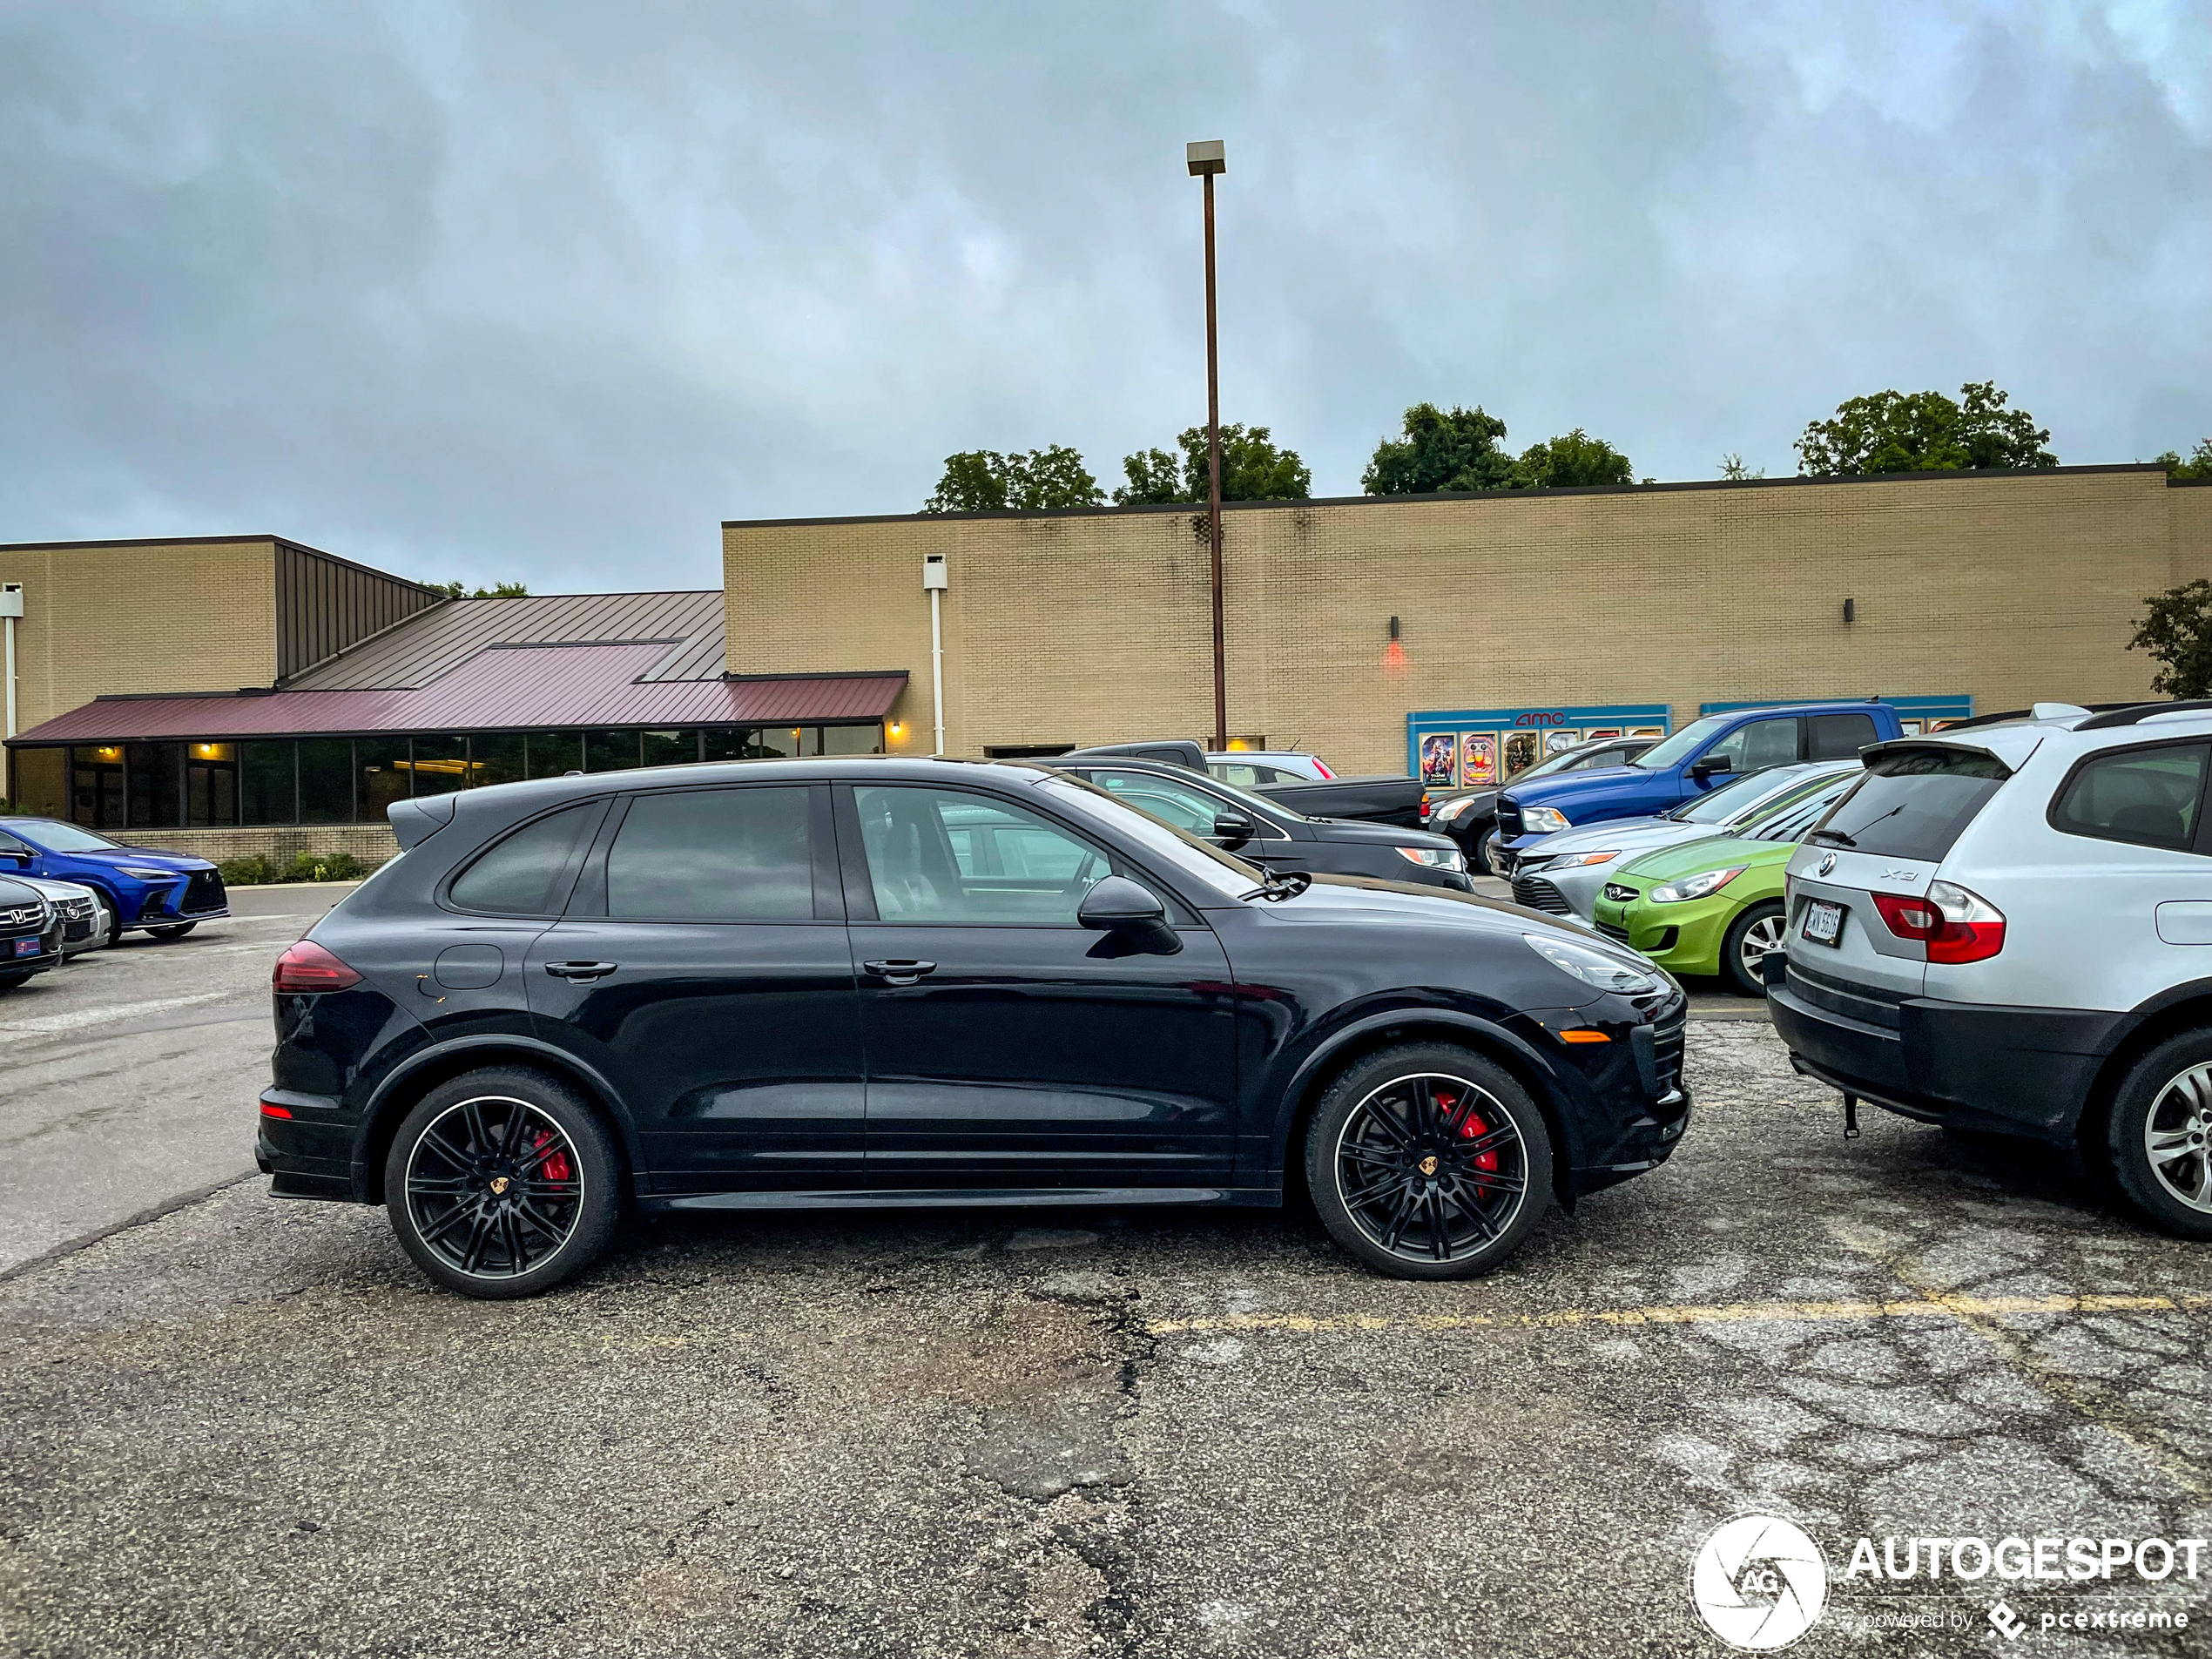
(166, 894)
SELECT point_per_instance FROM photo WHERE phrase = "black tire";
(503, 1182)
(14, 977)
(2166, 1097)
(114, 926)
(1423, 1204)
(174, 931)
(1480, 858)
(1762, 920)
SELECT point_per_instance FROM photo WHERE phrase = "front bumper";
(48, 955)
(1682, 938)
(2015, 1071)
(1627, 1097)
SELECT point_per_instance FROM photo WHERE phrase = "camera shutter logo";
(1759, 1583)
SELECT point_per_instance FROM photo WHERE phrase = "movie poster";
(1440, 757)
(1560, 739)
(1478, 759)
(1604, 735)
(1522, 752)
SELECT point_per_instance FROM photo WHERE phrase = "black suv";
(870, 982)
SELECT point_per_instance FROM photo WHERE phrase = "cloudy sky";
(545, 290)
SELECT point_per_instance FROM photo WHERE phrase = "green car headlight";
(1702, 886)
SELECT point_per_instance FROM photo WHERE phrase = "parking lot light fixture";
(1206, 159)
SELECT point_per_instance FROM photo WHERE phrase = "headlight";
(1694, 887)
(1594, 967)
(1582, 860)
(1543, 820)
(141, 874)
(1436, 858)
(1450, 809)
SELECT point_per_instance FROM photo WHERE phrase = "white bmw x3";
(2007, 925)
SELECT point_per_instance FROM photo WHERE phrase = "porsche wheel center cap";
(1428, 1164)
(499, 1185)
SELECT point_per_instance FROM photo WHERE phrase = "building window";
(267, 783)
(497, 758)
(609, 751)
(41, 787)
(96, 786)
(381, 769)
(671, 748)
(326, 781)
(211, 784)
(730, 743)
(553, 754)
(851, 741)
(155, 771)
(441, 765)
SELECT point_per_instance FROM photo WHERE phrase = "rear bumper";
(2018, 1070)
(308, 1155)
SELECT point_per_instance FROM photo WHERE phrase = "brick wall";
(1088, 627)
(371, 843)
(145, 617)
(2188, 515)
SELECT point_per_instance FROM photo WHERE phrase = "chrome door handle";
(902, 970)
(581, 970)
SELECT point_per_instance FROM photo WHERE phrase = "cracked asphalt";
(249, 1428)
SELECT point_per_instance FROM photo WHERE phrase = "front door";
(703, 969)
(1193, 809)
(1008, 1045)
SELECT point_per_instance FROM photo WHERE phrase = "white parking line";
(47, 1025)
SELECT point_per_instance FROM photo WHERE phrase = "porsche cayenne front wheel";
(501, 1183)
(1428, 1160)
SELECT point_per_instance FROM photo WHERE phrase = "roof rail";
(2027, 714)
(2136, 713)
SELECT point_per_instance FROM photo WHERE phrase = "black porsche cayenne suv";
(874, 982)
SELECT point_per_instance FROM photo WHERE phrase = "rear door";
(703, 969)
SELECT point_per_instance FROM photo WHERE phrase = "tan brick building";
(1091, 625)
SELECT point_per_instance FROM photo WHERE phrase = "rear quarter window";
(1912, 803)
(2146, 797)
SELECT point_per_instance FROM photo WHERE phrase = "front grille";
(203, 893)
(23, 915)
(1508, 820)
(1539, 894)
(77, 909)
(1612, 932)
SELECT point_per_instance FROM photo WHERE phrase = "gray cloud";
(547, 290)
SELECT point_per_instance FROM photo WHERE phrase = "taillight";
(309, 966)
(1955, 925)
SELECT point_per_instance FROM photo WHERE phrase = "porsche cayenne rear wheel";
(501, 1183)
(1429, 1162)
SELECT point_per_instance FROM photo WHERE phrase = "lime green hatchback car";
(1714, 907)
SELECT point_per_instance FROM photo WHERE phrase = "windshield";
(1252, 803)
(1719, 806)
(1187, 855)
(1794, 816)
(58, 837)
(1666, 755)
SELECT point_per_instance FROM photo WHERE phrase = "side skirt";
(965, 1198)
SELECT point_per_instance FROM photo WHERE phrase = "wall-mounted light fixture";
(1850, 610)
(1394, 653)
(897, 731)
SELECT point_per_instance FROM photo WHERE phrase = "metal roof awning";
(501, 688)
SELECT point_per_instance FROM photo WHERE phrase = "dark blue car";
(166, 894)
(1704, 753)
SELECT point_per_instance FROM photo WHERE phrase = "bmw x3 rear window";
(1912, 803)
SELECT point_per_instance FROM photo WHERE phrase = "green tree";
(2199, 465)
(2176, 631)
(1577, 460)
(1735, 467)
(499, 590)
(1440, 451)
(1924, 432)
(1253, 467)
(983, 481)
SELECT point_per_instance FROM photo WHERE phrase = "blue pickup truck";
(1704, 753)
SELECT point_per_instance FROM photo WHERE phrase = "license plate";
(1824, 922)
(26, 948)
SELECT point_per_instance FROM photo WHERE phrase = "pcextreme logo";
(1759, 1583)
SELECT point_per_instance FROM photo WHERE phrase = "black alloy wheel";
(1429, 1162)
(502, 1184)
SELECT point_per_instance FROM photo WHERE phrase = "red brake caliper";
(556, 1167)
(1487, 1162)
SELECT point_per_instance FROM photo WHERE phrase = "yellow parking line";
(1720, 1313)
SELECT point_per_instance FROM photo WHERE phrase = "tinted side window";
(1912, 803)
(714, 855)
(528, 873)
(1837, 736)
(942, 855)
(2146, 796)
(1192, 811)
(1762, 742)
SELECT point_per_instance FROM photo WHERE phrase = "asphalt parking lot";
(249, 1427)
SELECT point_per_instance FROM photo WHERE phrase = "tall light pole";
(1205, 160)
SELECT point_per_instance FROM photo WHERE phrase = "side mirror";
(1118, 905)
(1232, 829)
(1709, 765)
